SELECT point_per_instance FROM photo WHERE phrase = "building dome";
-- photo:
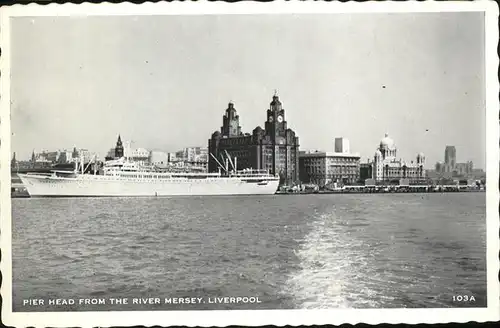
(387, 142)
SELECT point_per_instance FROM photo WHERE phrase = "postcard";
(214, 164)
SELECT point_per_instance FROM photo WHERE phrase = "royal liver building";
(387, 168)
(274, 148)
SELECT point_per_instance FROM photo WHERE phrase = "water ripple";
(312, 251)
(410, 260)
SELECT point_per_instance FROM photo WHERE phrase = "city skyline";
(418, 83)
(428, 165)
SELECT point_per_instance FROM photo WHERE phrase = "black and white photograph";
(198, 163)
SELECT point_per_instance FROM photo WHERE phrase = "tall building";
(450, 167)
(450, 156)
(387, 168)
(13, 161)
(274, 148)
(119, 151)
(341, 145)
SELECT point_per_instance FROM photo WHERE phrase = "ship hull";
(103, 186)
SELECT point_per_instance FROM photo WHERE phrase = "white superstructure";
(121, 178)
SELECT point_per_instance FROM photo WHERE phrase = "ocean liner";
(124, 178)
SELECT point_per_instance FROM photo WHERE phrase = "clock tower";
(282, 146)
(231, 122)
(275, 124)
(119, 148)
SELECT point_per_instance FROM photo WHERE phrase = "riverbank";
(371, 190)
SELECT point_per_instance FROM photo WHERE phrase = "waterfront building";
(187, 154)
(327, 168)
(22, 165)
(140, 155)
(386, 168)
(201, 155)
(46, 158)
(434, 175)
(38, 160)
(274, 148)
(158, 158)
(50, 156)
(66, 156)
(194, 157)
(365, 171)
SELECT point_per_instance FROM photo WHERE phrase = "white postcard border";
(255, 317)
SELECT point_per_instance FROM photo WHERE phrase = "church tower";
(13, 162)
(231, 122)
(119, 148)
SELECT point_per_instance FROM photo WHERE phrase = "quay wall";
(375, 190)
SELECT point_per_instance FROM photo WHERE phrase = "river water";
(293, 251)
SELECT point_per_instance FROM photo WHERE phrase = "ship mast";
(230, 161)
(217, 161)
(128, 151)
(81, 161)
(90, 162)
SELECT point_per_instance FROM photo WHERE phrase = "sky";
(164, 82)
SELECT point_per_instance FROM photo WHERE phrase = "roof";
(327, 154)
